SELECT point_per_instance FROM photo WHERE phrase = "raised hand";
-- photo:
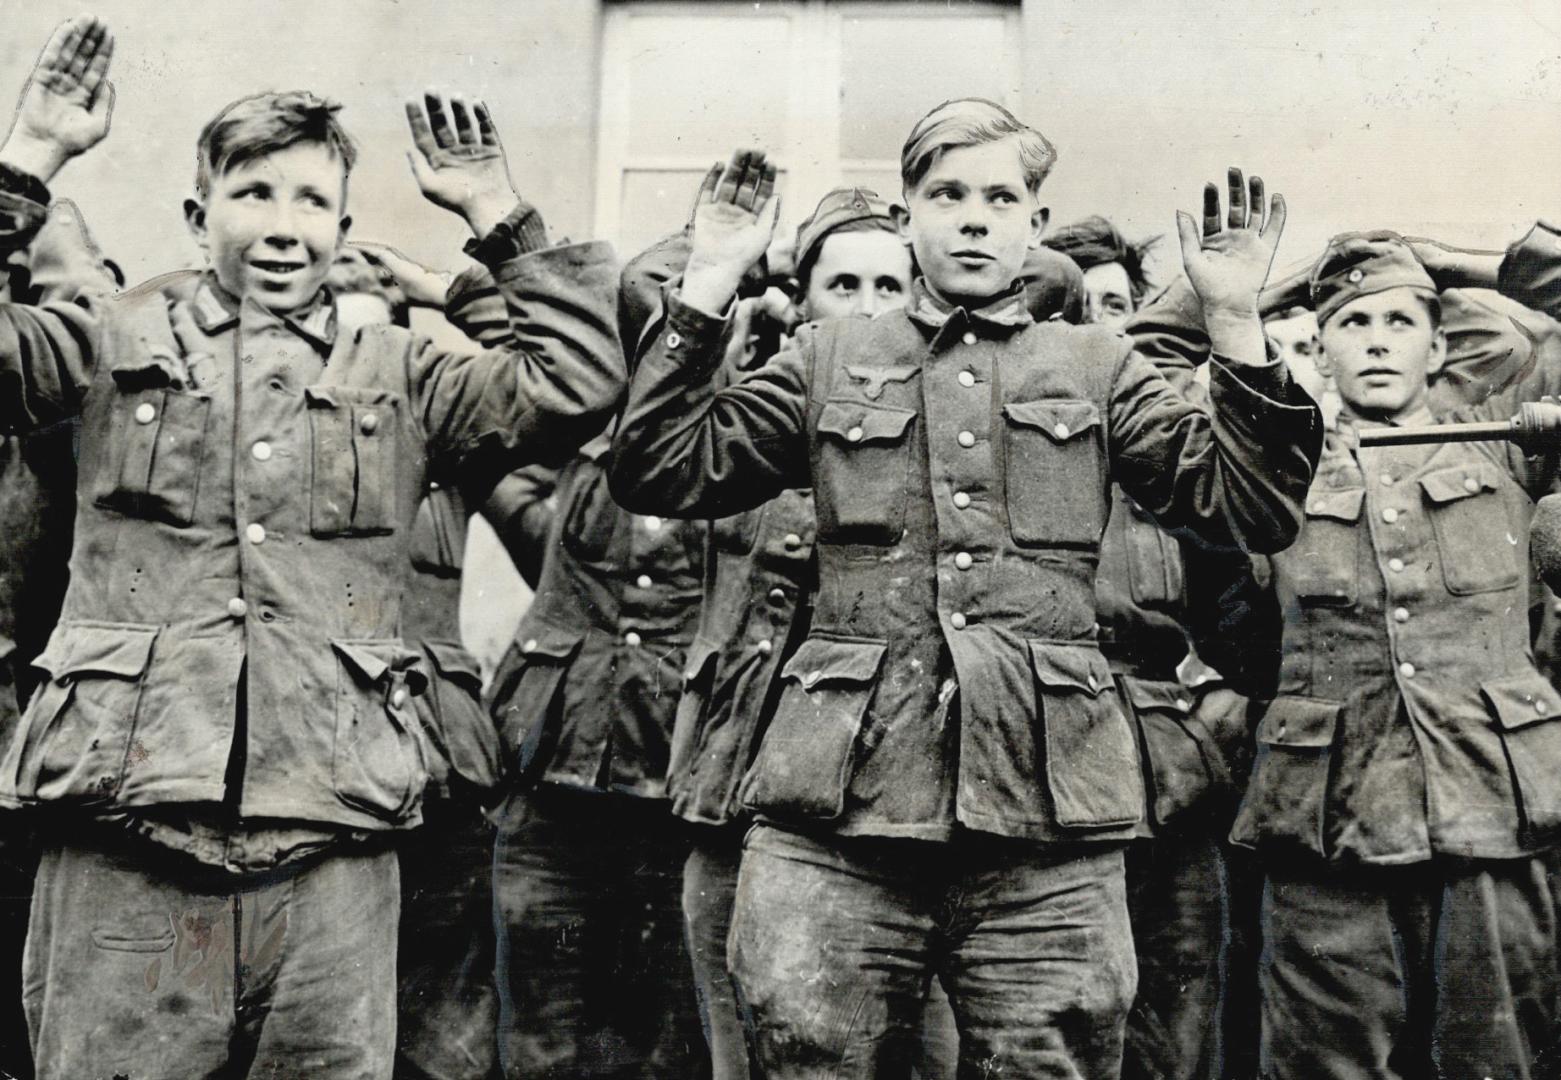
(459, 163)
(734, 217)
(65, 107)
(1229, 262)
(423, 286)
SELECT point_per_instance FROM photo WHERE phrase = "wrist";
(485, 212)
(1236, 334)
(35, 157)
(709, 288)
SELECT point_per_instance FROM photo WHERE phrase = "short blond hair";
(973, 122)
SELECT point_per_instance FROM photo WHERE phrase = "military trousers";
(143, 964)
(1433, 971)
(448, 1006)
(835, 941)
(593, 974)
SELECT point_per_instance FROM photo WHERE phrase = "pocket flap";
(539, 639)
(1339, 504)
(1300, 721)
(1077, 667)
(701, 654)
(374, 659)
(324, 396)
(1522, 699)
(1146, 694)
(75, 648)
(452, 660)
(157, 368)
(1459, 482)
(857, 423)
(1059, 420)
(826, 660)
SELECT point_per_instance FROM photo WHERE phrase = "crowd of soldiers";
(953, 653)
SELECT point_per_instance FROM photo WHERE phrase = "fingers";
(1255, 203)
(97, 68)
(732, 177)
(460, 114)
(439, 119)
(92, 37)
(748, 189)
(1238, 199)
(487, 134)
(1276, 219)
(1211, 210)
(422, 133)
(62, 46)
(765, 193)
(1187, 229)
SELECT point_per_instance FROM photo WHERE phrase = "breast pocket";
(1527, 712)
(156, 442)
(1474, 534)
(1055, 473)
(590, 516)
(864, 461)
(1325, 559)
(354, 434)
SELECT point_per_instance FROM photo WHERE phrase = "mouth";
(971, 259)
(1379, 373)
(276, 267)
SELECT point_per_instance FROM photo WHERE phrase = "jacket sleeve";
(687, 449)
(1235, 473)
(550, 388)
(521, 510)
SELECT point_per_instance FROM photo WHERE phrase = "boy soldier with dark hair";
(1406, 792)
(945, 786)
(226, 735)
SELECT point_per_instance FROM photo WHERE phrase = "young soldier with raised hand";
(228, 707)
(946, 787)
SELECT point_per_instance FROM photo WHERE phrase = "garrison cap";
(1360, 264)
(840, 207)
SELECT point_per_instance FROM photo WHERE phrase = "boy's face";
(1108, 295)
(272, 226)
(858, 273)
(1382, 348)
(971, 220)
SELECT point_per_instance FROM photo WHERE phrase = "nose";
(868, 302)
(975, 221)
(1092, 311)
(281, 231)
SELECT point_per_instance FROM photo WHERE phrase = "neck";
(1414, 414)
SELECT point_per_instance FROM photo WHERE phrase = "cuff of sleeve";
(692, 337)
(1271, 379)
(14, 181)
(1541, 245)
(521, 232)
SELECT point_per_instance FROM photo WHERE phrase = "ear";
(195, 220)
(902, 222)
(1038, 222)
(1438, 355)
(1320, 359)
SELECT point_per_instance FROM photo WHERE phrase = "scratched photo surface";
(1440, 118)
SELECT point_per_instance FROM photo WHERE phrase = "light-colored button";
(1556, 607)
(812, 677)
(777, 595)
(1396, 565)
(969, 338)
(966, 438)
(1061, 431)
(261, 451)
(1470, 484)
(529, 645)
(792, 541)
(433, 485)
(1401, 614)
(643, 581)
(1183, 703)
(368, 423)
(674, 339)
(237, 608)
(255, 532)
(1540, 706)
(631, 639)
(967, 378)
(1356, 276)
(1407, 670)
(145, 413)
(766, 647)
(1094, 684)
(653, 523)
(1315, 508)
(963, 560)
(398, 698)
(1390, 515)
(961, 499)
(1386, 478)
(854, 434)
(957, 621)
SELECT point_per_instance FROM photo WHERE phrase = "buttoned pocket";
(379, 763)
(463, 728)
(353, 432)
(1287, 798)
(804, 765)
(156, 443)
(1324, 561)
(1180, 774)
(1525, 708)
(1092, 765)
(1474, 535)
(75, 737)
(525, 689)
(1056, 472)
(863, 471)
